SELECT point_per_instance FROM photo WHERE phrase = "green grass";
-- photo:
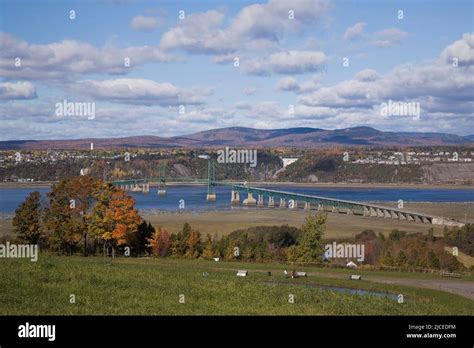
(128, 286)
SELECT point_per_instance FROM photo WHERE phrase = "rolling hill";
(301, 137)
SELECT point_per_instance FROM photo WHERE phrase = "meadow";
(151, 286)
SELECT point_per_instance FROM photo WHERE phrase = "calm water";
(349, 291)
(195, 196)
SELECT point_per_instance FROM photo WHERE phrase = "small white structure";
(242, 273)
(216, 259)
(355, 277)
(351, 264)
(301, 274)
(288, 160)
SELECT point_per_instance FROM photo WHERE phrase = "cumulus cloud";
(69, 58)
(141, 91)
(355, 31)
(286, 62)
(144, 23)
(17, 90)
(255, 26)
(288, 84)
(462, 50)
(388, 37)
(366, 75)
(439, 87)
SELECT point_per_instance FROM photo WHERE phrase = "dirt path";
(458, 287)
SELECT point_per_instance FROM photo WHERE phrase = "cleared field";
(128, 286)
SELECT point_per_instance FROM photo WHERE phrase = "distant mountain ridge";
(301, 137)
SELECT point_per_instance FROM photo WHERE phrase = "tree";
(63, 223)
(139, 240)
(193, 243)
(310, 247)
(114, 219)
(160, 242)
(209, 250)
(27, 220)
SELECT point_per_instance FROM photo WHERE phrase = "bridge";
(264, 197)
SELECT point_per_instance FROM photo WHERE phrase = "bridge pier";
(295, 204)
(334, 209)
(249, 200)
(271, 202)
(235, 198)
(350, 211)
(320, 207)
(307, 205)
(260, 201)
(210, 197)
(282, 203)
(387, 214)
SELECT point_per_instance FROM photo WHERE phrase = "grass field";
(127, 286)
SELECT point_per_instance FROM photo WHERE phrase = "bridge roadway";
(255, 196)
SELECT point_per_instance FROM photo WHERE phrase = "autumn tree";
(114, 219)
(193, 243)
(63, 223)
(160, 242)
(209, 249)
(27, 220)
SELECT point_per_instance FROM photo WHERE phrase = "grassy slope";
(151, 286)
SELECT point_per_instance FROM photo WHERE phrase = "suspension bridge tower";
(211, 181)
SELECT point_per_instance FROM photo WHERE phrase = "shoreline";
(4, 185)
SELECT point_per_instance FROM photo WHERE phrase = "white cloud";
(367, 75)
(141, 91)
(462, 49)
(389, 37)
(355, 31)
(286, 62)
(17, 90)
(68, 58)
(288, 84)
(255, 27)
(444, 92)
(144, 23)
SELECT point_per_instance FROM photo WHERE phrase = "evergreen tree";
(310, 247)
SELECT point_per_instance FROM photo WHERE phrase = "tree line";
(89, 216)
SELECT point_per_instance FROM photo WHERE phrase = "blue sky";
(284, 63)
